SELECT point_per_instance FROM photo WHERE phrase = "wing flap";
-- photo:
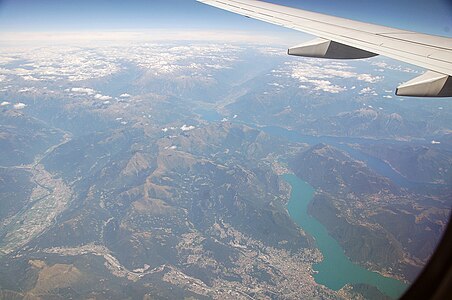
(430, 52)
(422, 39)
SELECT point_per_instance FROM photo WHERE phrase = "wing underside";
(341, 38)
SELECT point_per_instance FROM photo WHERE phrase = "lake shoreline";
(336, 269)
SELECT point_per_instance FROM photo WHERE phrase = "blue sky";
(430, 16)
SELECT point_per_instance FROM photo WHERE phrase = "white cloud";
(269, 51)
(400, 68)
(369, 78)
(19, 105)
(368, 91)
(154, 35)
(5, 103)
(51, 62)
(24, 90)
(171, 147)
(216, 66)
(324, 85)
(74, 62)
(187, 128)
(102, 97)
(387, 96)
(30, 78)
(380, 64)
(83, 90)
(365, 90)
(125, 95)
(327, 86)
(324, 76)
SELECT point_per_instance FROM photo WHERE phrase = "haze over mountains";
(149, 170)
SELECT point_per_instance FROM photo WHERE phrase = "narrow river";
(336, 269)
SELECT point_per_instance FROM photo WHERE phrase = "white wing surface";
(341, 38)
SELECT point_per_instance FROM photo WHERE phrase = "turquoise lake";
(336, 269)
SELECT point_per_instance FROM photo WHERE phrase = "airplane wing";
(341, 38)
